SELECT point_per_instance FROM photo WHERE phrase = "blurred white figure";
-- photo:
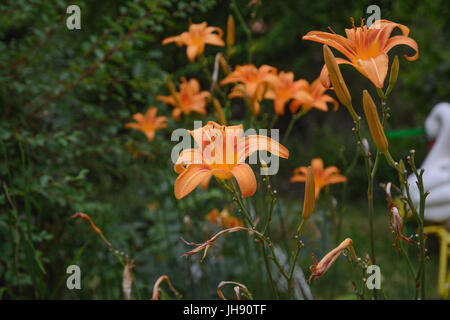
(436, 178)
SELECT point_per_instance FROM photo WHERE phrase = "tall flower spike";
(376, 129)
(336, 77)
(366, 48)
(196, 38)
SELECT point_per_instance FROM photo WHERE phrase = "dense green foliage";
(66, 95)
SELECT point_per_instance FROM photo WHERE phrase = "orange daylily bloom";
(223, 218)
(366, 48)
(322, 177)
(319, 268)
(149, 123)
(188, 99)
(196, 38)
(283, 88)
(253, 83)
(319, 99)
(221, 152)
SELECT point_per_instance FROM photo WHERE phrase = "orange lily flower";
(221, 152)
(322, 177)
(253, 83)
(149, 123)
(283, 88)
(188, 99)
(319, 268)
(319, 99)
(224, 218)
(196, 38)
(366, 48)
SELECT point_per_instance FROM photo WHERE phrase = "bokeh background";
(66, 95)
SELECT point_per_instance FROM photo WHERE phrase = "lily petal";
(333, 40)
(245, 178)
(252, 143)
(189, 179)
(397, 40)
(375, 69)
(186, 157)
(191, 52)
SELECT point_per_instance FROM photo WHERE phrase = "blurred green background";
(66, 95)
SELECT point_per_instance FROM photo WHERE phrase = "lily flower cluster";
(255, 84)
(221, 151)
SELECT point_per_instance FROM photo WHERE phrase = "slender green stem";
(408, 261)
(277, 263)
(370, 173)
(269, 274)
(419, 216)
(238, 199)
(421, 273)
(294, 261)
(274, 120)
(246, 29)
(294, 119)
(273, 200)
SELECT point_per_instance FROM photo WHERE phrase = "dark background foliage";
(66, 95)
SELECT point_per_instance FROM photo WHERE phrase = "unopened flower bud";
(224, 65)
(336, 77)
(376, 129)
(393, 75)
(310, 197)
(230, 31)
(219, 111)
(171, 87)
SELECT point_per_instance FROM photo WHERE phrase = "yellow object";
(444, 255)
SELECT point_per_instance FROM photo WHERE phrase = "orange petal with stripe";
(245, 178)
(375, 69)
(189, 179)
